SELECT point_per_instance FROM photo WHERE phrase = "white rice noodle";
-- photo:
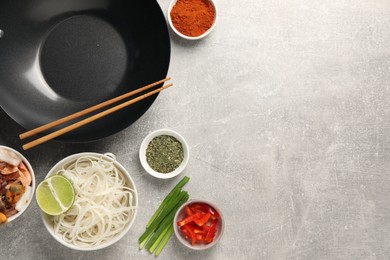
(103, 205)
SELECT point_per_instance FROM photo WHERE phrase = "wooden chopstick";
(91, 119)
(88, 110)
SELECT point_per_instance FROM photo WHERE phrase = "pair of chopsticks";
(91, 118)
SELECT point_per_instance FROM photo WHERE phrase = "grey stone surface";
(286, 110)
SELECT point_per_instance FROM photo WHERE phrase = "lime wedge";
(55, 195)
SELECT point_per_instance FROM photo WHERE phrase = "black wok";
(58, 57)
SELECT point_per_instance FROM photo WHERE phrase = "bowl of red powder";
(192, 19)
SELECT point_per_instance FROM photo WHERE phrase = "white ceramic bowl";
(28, 165)
(49, 224)
(181, 213)
(144, 146)
(189, 37)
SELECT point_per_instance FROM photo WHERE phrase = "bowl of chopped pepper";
(164, 153)
(198, 224)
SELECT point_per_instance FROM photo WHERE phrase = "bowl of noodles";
(105, 203)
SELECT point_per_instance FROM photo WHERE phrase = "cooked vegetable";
(160, 228)
(23, 201)
(15, 180)
(3, 218)
(14, 192)
(9, 157)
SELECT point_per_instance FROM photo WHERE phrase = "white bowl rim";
(144, 145)
(173, 2)
(29, 167)
(125, 173)
(185, 242)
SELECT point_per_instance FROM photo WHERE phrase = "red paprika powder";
(192, 17)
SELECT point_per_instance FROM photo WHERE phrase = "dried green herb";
(164, 153)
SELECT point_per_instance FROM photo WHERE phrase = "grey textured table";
(286, 110)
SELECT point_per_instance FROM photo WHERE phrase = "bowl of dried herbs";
(164, 153)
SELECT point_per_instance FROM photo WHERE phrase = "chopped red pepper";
(209, 239)
(214, 213)
(210, 234)
(199, 238)
(188, 219)
(203, 219)
(189, 211)
(187, 235)
(201, 232)
(206, 228)
(192, 234)
(202, 207)
(198, 211)
(200, 224)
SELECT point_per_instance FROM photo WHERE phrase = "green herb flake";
(164, 153)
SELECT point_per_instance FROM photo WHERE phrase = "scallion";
(165, 240)
(166, 222)
(174, 191)
(160, 226)
(164, 213)
(153, 247)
